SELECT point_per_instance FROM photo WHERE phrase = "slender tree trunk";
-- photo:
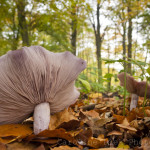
(99, 39)
(129, 40)
(15, 30)
(98, 45)
(146, 55)
(109, 79)
(74, 28)
(22, 21)
(124, 44)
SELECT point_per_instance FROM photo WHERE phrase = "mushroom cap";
(33, 75)
(126, 127)
(114, 132)
(134, 86)
(130, 82)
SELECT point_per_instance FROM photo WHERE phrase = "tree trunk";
(22, 21)
(74, 28)
(98, 45)
(15, 39)
(124, 44)
(109, 79)
(129, 40)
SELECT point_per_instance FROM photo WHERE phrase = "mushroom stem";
(41, 117)
(134, 100)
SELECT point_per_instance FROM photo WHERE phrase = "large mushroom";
(33, 79)
(135, 88)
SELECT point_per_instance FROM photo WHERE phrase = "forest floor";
(94, 122)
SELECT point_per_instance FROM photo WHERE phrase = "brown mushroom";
(125, 129)
(135, 88)
(34, 79)
(113, 134)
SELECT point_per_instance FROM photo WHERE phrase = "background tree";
(99, 37)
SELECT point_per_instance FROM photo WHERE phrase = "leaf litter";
(95, 123)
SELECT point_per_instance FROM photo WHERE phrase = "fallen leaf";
(41, 147)
(57, 133)
(15, 130)
(119, 118)
(146, 120)
(83, 136)
(97, 143)
(122, 145)
(21, 146)
(91, 113)
(74, 133)
(100, 106)
(131, 116)
(134, 124)
(2, 146)
(95, 95)
(145, 143)
(103, 121)
(8, 139)
(48, 141)
(61, 117)
(12, 132)
(110, 149)
(65, 148)
(70, 125)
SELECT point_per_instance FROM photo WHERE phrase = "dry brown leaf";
(41, 147)
(20, 146)
(83, 117)
(134, 124)
(2, 146)
(109, 99)
(57, 133)
(92, 113)
(131, 115)
(110, 149)
(74, 133)
(7, 140)
(101, 110)
(15, 130)
(83, 136)
(100, 106)
(12, 132)
(48, 141)
(147, 111)
(65, 148)
(95, 95)
(61, 117)
(97, 143)
(101, 122)
(71, 125)
(145, 143)
(146, 120)
(119, 118)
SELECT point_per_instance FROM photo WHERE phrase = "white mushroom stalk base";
(41, 117)
(134, 101)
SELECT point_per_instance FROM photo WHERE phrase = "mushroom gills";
(134, 101)
(41, 117)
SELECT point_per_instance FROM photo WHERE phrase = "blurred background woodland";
(111, 35)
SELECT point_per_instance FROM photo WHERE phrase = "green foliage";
(85, 86)
(96, 87)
